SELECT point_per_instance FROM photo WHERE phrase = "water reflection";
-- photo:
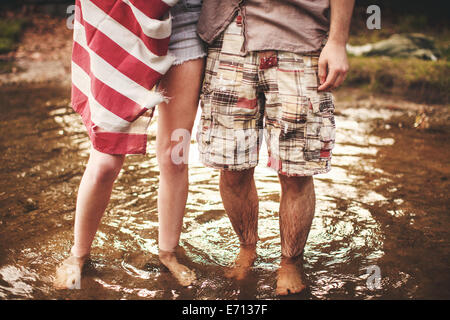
(370, 211)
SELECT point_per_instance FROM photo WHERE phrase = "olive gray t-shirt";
(299, 26)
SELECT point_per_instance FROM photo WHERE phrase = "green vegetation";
(419, 80)
(10, 31)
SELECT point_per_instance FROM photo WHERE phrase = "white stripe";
(170, 3)
(101, 116)
(152, 28)
(124, 38)
(106, 73)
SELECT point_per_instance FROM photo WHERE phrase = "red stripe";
(155, 9)
(122, 13)
(324, 153)
(81, 57)
(115, 102)
(120, 143)
(246, 103)
(285, 70)
(274, 163)
(80, 104)
(112, 100)
(107, 142)
(120, 59)
(78, 13)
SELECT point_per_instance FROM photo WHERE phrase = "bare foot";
(290, 278)
(243, 263)
(183, 274)
(68, 274)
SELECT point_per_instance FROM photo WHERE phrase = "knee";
(105, 172)
(296, 184)
(170, 162)
(236, 179)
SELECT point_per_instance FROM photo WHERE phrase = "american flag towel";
(119, 53)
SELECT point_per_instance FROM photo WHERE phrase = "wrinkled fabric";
(264, 93)
(120, 51)
(185, 43)
(299, 26)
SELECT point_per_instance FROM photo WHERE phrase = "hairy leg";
(240, 199)
(93, 197)
(297, 208)
(182, 85)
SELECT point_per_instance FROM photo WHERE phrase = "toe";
(297, 289)
(282, 291)
(186, 277)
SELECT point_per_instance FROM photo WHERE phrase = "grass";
(10, 31)
(419, 80)
(6, 66)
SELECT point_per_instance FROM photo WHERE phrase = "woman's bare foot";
(243, 262)
(290, 277)
(68, 274)
(183, 274)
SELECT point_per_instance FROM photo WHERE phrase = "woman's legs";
(182, 85)
(93, 197)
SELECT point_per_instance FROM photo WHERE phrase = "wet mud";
(383, 207)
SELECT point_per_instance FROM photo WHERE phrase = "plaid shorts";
(245, 98)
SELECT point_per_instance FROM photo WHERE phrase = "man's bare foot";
(243, 263)
(183, 274)
(290, 277)
(68, 274)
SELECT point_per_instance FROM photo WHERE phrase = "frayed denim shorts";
(184, 42)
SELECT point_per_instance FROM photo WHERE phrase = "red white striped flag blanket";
(119, 53)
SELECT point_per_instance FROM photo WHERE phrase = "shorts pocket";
(205, 125)
(233, 100)
(320, 128)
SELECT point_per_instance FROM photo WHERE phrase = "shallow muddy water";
(384, 206)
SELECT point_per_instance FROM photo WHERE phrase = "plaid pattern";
(244, 98)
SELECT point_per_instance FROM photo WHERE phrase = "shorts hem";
(305, 173)
(180, 62)
(224, 167)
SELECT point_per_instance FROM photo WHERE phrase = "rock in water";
(408, 45)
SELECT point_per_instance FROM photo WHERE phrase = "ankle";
(248, 246)
(166, 255)
(285, 260)
(247, 254)
(79, 253)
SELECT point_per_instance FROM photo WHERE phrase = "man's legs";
(297, 208)
(240, 199)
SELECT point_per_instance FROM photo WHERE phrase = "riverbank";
(410, 78)
(41, 54)
(413, 79)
